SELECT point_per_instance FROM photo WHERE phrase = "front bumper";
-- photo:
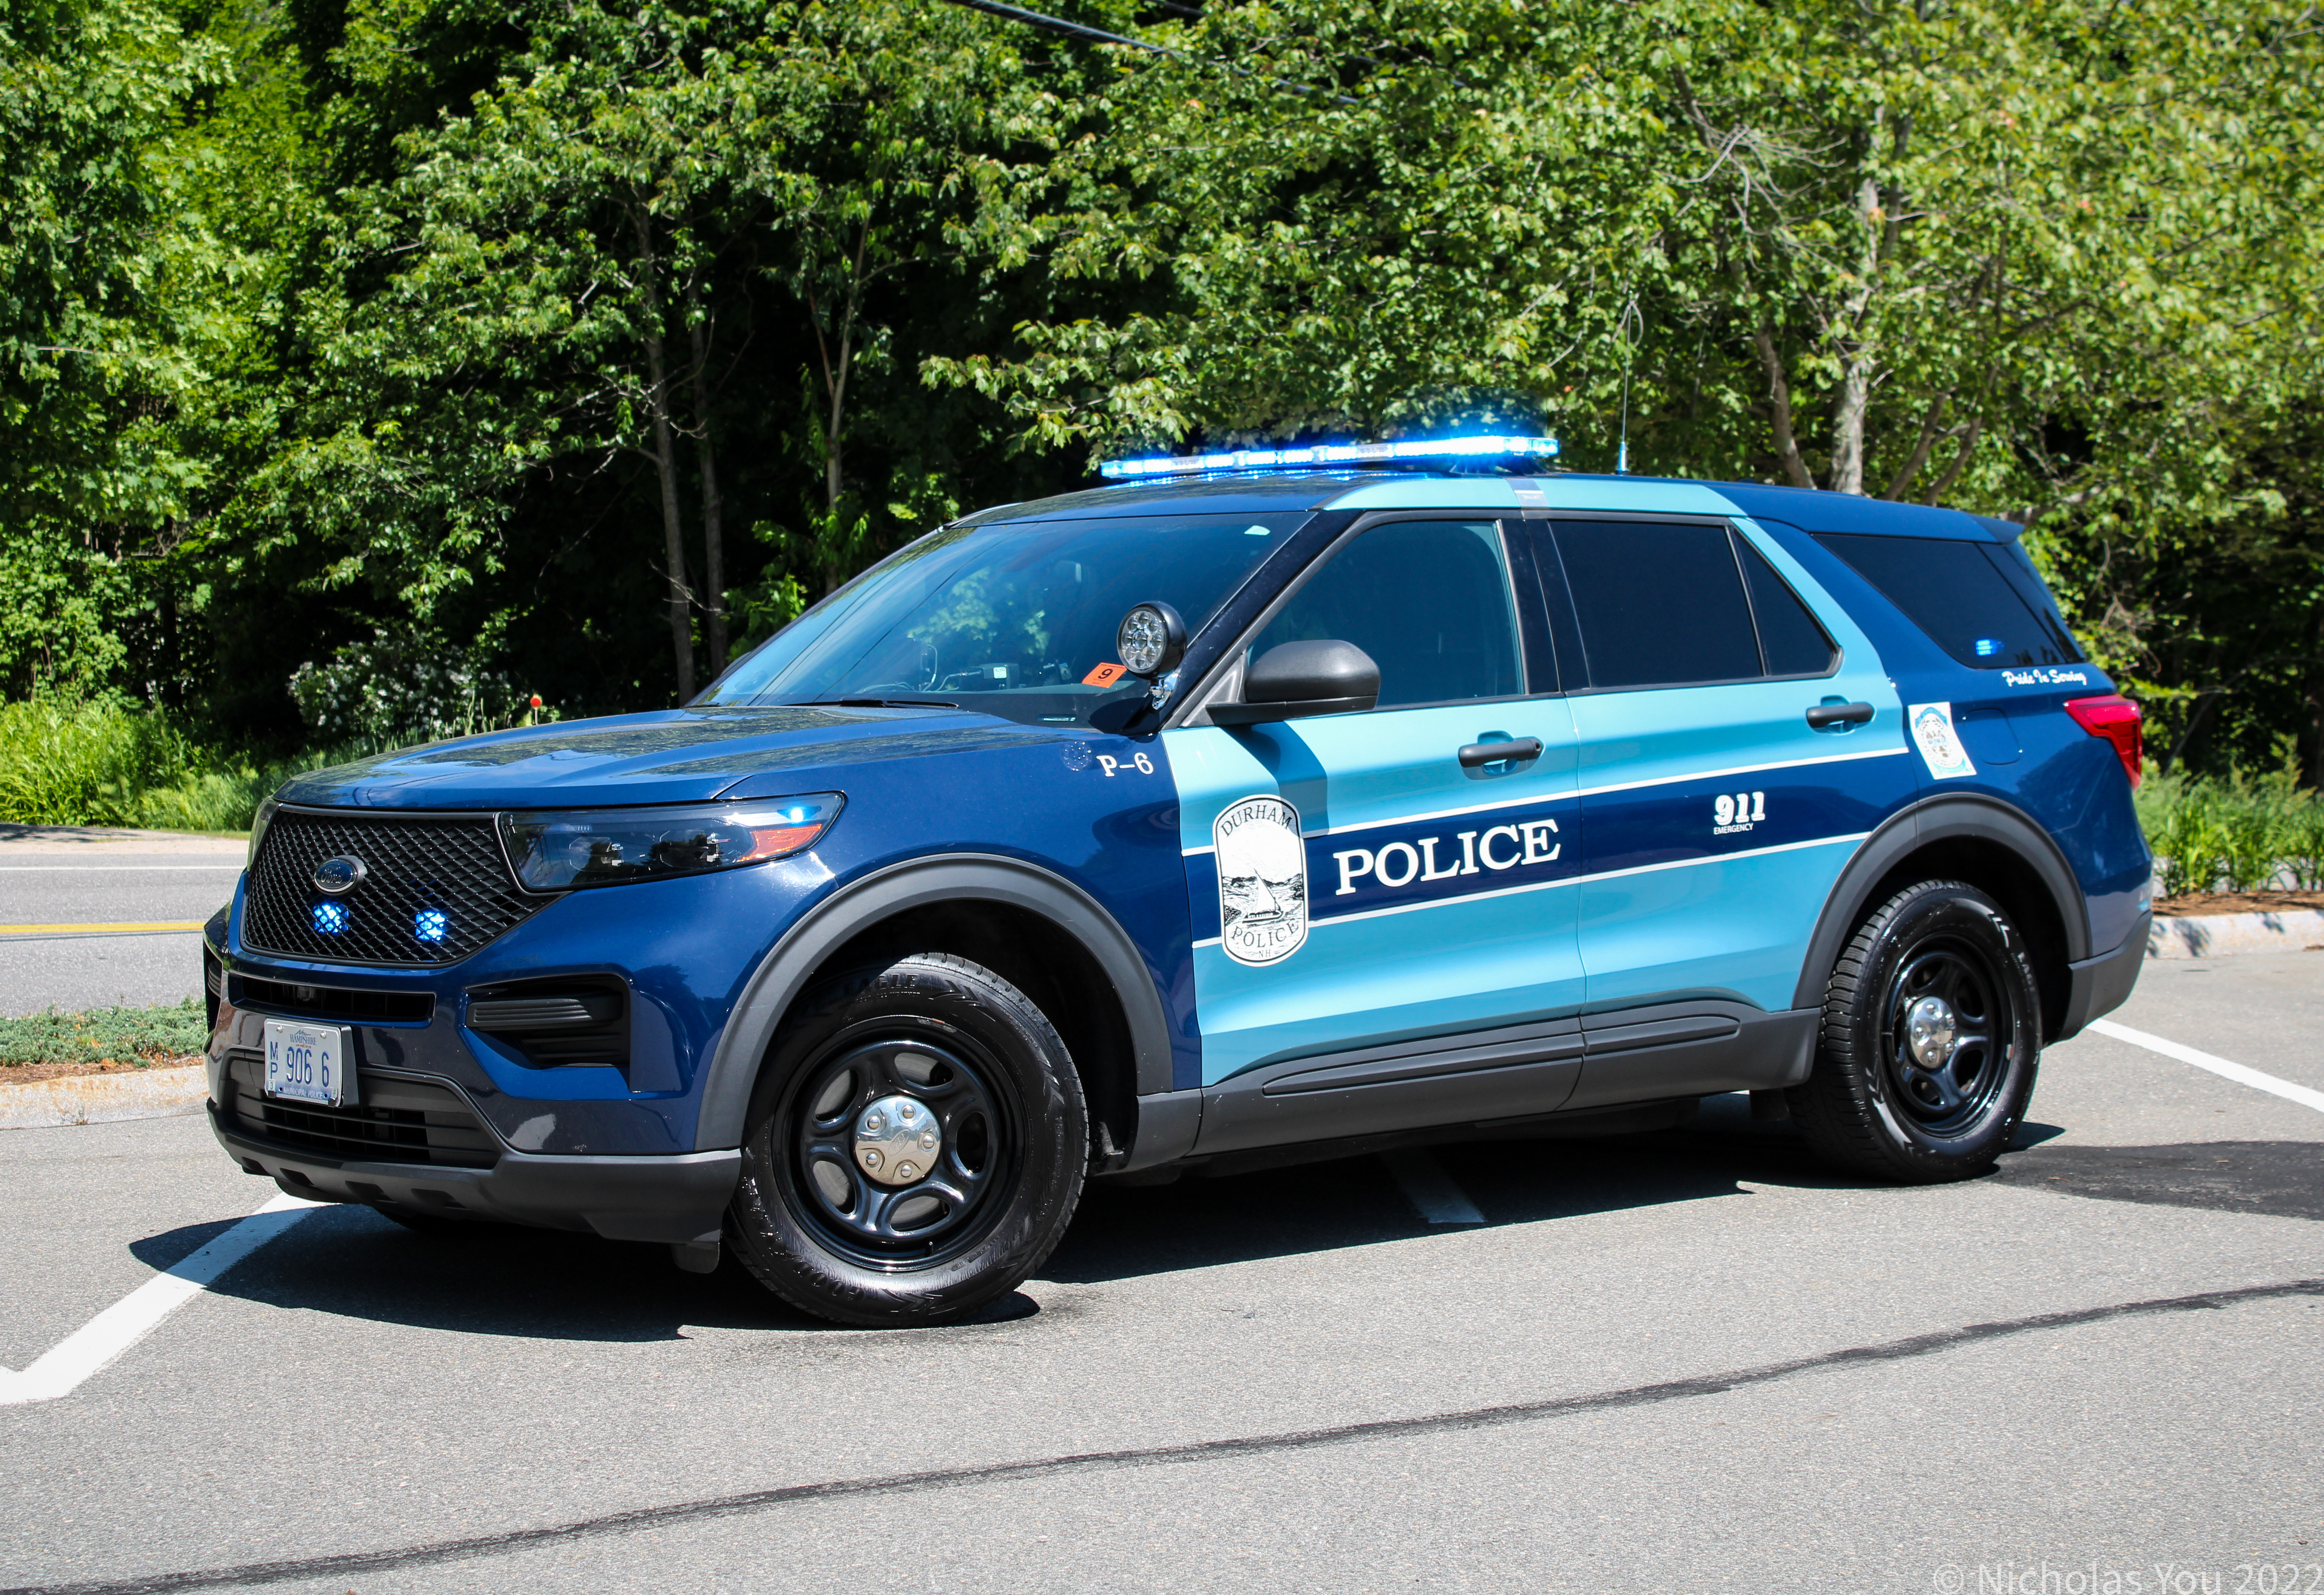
(679, 1199)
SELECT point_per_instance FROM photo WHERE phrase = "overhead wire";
(1090, 36)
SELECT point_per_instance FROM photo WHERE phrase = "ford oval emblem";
(338, 877)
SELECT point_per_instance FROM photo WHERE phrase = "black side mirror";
(1295, 679)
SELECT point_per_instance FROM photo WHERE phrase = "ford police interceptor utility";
(1305, 798)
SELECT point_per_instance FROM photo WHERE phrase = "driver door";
(1356, 888)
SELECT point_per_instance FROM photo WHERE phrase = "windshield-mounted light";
(1332, 453)
(564, 851)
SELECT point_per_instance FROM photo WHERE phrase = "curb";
(2217, 936)
(101, 1098)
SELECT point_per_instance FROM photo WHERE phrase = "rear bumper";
(680, 1199)
(2098, 986)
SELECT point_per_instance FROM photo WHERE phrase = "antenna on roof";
(1630, 318)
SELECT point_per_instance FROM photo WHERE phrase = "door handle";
(1517, 752)
(1824, 715)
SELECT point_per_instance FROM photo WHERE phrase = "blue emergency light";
(1332, 453)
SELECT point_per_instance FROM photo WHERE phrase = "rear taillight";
(2118, 720)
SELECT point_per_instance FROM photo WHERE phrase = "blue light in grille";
(430, 924)
(332, 918)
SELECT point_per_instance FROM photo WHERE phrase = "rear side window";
(1659, 605)
(1974, 600)
(1789, 633)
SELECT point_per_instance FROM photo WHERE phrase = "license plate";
(310, 1063)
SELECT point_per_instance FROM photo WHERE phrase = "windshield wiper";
(879, 703)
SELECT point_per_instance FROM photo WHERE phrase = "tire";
(1874, 1103)
(952, 1046)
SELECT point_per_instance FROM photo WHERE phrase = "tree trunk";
(681, 629)
(713, 555)
(1779, 407)
(2313, 734)
(1856, 354)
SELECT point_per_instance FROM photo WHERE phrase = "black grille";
(333, 1003)
(412, 867)
(396, 1121)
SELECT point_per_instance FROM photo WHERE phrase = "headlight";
(608, 846)
(258, 824)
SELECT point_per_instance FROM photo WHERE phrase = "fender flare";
(1954, 815)
(785, 971)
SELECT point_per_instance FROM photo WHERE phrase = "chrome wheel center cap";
(1930, 1028)
(896, 1140)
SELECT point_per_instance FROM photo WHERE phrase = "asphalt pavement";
(1687, 1362)
(76, 906)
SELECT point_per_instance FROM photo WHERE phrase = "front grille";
(334, 1003)
(433, 890)
(396, 1121)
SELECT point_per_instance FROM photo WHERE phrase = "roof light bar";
(1330, 454)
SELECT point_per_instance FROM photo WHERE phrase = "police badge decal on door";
(1262, 881)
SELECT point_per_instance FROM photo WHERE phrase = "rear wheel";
(1932, 1038)
(915, 1148)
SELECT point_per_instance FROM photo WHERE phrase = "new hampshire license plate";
(310, 1063)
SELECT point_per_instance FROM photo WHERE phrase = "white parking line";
(2238, 1072)
(62, 1368)
(1430, 1189)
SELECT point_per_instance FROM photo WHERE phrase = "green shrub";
(2248, 832)
(84, 763)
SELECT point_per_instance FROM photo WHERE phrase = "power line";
(1087, 35)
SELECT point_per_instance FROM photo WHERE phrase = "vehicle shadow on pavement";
(538, 1283)
(1203, 1221)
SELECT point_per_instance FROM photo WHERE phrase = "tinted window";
(1429, 600)
(1015, 620)
(1659, 606)
(1793, 642)
(1972, 599)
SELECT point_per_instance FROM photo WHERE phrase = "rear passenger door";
(1715, 818)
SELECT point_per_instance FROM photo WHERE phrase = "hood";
(673, 756)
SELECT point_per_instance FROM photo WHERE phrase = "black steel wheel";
(1931, 1039)
(916, 1145)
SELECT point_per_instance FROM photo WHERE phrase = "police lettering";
(1400, 863)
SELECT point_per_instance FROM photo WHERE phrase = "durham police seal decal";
(1262, 881)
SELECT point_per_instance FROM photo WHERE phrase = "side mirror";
(1295, 679)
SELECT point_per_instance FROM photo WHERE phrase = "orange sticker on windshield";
(1105, 676)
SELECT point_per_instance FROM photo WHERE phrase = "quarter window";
(1790, 636)
(1429, 600)
(1981, 603)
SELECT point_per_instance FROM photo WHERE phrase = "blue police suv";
(1311, 799)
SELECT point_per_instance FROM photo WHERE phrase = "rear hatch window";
(1981, 603)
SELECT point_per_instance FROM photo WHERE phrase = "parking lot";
(1686, 1361)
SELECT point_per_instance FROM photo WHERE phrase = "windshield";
(1015, 620)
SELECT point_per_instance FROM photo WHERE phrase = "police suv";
(1305, 798)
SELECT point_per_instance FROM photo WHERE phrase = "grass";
(134, 1037)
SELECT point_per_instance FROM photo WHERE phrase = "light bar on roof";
(1331, 454)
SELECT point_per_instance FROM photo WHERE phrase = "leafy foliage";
(597, 340)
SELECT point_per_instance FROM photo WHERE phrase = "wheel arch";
(1993, 846)
(1028, 925)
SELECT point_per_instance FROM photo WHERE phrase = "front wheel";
(915, 1147)
(1931, 1037)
